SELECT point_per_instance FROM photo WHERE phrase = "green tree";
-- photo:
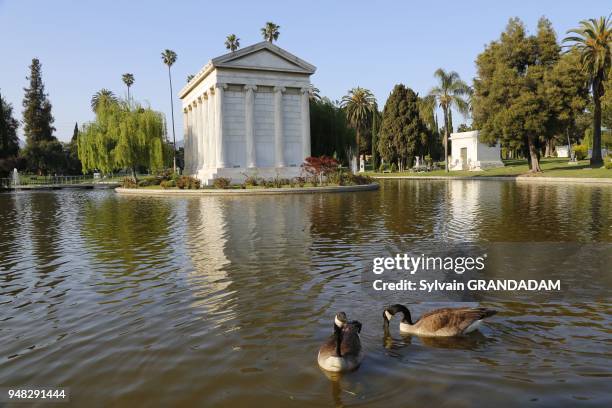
(593, 41)
(37, 117)
(169, 58)
(71, 151)
(376, 120)
(509, 103)
(43, 151)
(232, 42)
(427, 112)
(9, 142)
(270, 32)
(128, 80)
(330, 134)
(359, 105)
(451, 92)
(102, 96)
(122, 136)
(567, 94)
(402, 133)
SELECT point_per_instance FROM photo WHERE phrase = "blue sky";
(86, 45)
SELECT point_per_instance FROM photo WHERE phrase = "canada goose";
(441, 322)
(342, 351)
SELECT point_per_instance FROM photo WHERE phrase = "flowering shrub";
(129, 182)
(188, 182)
(319, 167)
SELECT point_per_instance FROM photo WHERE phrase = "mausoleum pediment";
(264, 56)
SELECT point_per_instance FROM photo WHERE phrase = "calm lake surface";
(224, 301)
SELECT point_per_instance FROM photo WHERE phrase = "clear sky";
(86, 45)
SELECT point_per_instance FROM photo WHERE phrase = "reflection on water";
(223, 301)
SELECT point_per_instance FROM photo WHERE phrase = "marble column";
(186, 136)
(249, 104)
(305, 109)
(198, 127)
(279, 147)
(211, 128)
(219, 91)
(190, 138)
(205, 151)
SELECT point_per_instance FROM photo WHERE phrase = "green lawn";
(513, 168)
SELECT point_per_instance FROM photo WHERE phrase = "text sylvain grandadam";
(458, 265)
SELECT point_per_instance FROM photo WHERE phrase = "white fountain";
(16, 181)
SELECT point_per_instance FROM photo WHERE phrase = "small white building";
(247, 112)
(562, 151)
(468, 153)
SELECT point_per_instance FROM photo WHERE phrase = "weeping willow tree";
(122, 136)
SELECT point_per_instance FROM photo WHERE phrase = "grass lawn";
(513, 168)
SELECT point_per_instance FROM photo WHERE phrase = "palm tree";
(169, 58)
(270, 31)
(232, 42)
(593, 41)
(101, 97)
(451, 92)
(128, 80)
(359, 105)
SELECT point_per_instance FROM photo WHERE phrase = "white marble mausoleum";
(469, 153)
(247, 112)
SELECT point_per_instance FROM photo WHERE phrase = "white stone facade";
(468, 153)
(247, 112)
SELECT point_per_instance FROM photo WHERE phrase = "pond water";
(224, 301)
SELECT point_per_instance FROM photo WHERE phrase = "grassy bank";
(514, 168)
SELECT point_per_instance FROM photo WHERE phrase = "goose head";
(340, 320)
(390, 311)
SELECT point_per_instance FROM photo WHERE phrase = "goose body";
(342, 350)
(445, 322)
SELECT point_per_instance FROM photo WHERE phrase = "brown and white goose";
(342, 351)
(445, 322)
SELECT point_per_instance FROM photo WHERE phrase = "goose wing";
(456, 319)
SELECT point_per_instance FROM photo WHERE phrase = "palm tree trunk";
(358, 151)
(173, 134)
(596, 159)
(446, 139)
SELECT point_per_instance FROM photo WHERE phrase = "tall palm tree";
(232, 42)
(450, 92)
(128, 80)
(102, 96)
(359, 105)
(169, 58)
(270, 32)
(593, 41)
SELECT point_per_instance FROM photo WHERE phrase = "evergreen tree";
(509, 102)
(71, 149)
(402, 134)
(330, 134)
(9, 142)
(37, 117)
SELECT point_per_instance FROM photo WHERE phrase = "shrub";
(168, 184)
(188, 182)
(581, 152)
(393, 167)
(609, 165)
(222, 182)
(300, 181)
(358, 179)
(381, 168)
(319, 167)
(149, 181)
(251, 180)
(129, 182)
